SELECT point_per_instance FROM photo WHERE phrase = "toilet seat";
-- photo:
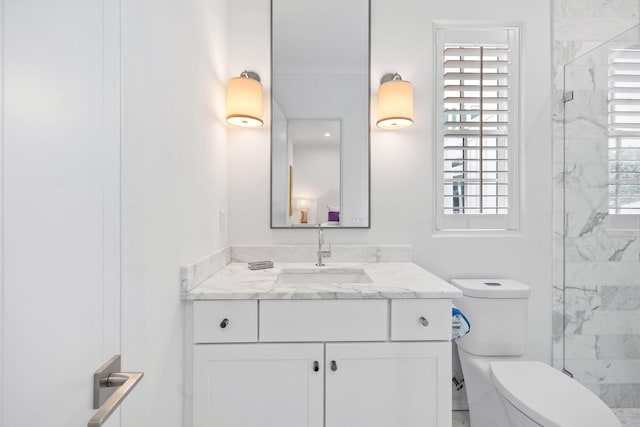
(548, 396)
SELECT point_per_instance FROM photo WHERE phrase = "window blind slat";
(471, 148)
(471, 51)
(619, 126)
(450, 133)
(486, 178)
(476, 99)
(625, 113)
(476, 87)
(474, 111)
(475, 63)
(477, 123)
(624, 78)
(621, 102)
(475, 76)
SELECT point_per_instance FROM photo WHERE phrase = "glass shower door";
(601, 212)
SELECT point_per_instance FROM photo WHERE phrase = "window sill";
(622, 225)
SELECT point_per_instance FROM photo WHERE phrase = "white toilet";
(503, 389)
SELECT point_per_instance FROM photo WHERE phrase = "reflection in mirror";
(320, 113)
(315, 160)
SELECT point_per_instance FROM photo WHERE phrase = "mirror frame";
(315, 226)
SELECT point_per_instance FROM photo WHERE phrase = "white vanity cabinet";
(387, 384)
(253, 385)
(333, 363)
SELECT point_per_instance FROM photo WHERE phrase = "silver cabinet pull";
(334, 366)
(224, 323)
(316, 366)
(108, 376)
(423, 321)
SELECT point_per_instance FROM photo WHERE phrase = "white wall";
(59, 161)
(402, 186)
(174, 159)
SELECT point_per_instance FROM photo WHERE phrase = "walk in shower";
(597, 324)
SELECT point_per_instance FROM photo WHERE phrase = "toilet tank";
(497, 311)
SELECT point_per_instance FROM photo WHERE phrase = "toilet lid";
(492, 288)
(550, 397)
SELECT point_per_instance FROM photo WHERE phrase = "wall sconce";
(395, 102)
(244, 100)
(303, 207)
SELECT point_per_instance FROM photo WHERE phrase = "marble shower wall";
(597, 270)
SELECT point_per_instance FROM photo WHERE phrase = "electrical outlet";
(223, 220)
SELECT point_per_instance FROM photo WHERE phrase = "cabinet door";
(388, 384)
(258, 385)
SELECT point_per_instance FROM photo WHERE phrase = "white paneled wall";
(60, 148)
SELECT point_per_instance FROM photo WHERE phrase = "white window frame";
(479, 35)
(623, 80)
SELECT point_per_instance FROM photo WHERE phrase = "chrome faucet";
(321, 252)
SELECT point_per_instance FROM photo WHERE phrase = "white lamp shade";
(244, 102)
(395, 105)
(302, 204)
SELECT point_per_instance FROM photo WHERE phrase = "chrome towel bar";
(110, 387)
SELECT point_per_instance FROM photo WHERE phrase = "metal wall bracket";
(568, 96)
(110, 387)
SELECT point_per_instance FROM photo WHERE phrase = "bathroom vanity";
(348, 344)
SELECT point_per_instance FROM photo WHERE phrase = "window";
(624, 131)
(477, 136)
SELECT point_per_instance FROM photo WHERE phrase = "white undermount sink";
(323, 276)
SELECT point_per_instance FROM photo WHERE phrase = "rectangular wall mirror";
(320, 113)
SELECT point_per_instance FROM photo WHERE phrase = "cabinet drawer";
(225, 321)
(322, 320)
(420, 319)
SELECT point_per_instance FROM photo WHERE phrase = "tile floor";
(629, 417)
(460, 419)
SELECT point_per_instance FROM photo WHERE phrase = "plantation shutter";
(624, 131)
(478, 94)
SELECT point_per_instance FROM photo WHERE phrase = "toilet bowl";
(535, 392)
(504, 389)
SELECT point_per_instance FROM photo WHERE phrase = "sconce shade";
(395, 104)
(244, 101)
(302, 204)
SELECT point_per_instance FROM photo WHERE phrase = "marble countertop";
(389, 280)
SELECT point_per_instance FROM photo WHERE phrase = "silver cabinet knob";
(423, 321)
(334, 366)
(316, 366)
(224, 323)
